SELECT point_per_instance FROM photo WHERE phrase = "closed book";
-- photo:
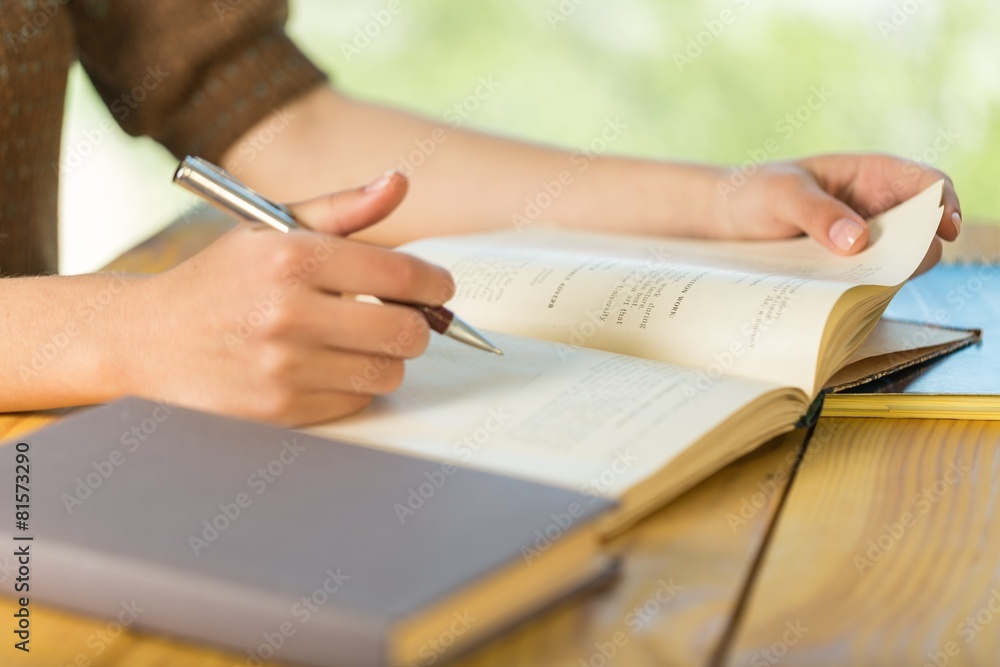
(283, 546)
(963, 385)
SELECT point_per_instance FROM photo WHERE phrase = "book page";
(755, 309)
(583, 419)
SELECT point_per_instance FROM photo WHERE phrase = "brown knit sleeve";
(193, 74)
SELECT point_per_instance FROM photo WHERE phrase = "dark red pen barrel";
(438, 317)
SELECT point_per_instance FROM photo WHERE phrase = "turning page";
(754, 309)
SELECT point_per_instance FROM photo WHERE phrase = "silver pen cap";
(225, 192)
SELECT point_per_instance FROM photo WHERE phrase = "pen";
(222, 189)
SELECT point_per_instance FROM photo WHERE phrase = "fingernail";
(383, 181)
(845, 233)
(956, 219)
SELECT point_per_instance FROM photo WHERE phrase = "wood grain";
(978, 242)
(17, 424)
(684, 571)
(177, 242)
(696, 555)
(886, 545)
(855, 477)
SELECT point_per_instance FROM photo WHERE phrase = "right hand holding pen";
(255, 324)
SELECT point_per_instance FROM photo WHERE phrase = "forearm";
(466, 181)
(63, 340)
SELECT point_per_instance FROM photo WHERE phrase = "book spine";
(258, 625)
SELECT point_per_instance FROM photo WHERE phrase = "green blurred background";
(707, 81)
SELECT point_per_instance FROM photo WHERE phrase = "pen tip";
(459, 330)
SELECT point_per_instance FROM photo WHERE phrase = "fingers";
(328, 321)
(295, 378)
(951, 221)
(339, 266)
(266, 334)
(301, 383)
(932, 257)
(316, 408)
(825, 218)
(873, 183)
(343, 213)
(900, 180)
(321, 407)
(358, 268)
(305, 369)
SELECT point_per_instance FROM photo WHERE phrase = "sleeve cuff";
(235, 93)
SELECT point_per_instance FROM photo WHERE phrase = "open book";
(636, 366)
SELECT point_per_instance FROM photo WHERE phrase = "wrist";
(66, 340)
(707, 195)
(657, 198)
(119, 332)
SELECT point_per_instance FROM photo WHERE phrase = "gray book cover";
(269, 542)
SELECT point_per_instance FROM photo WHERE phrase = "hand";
(256, 325)
(829, 196)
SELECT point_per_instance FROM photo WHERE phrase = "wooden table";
(797, 554)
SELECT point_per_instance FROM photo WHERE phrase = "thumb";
(343, 213)
(828, 220)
